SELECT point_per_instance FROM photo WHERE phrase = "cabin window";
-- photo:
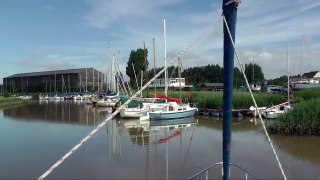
(179, 109)
(184, 109)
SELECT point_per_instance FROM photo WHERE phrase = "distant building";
(59, 81)
(295, 78)
(311, 75)
(212, 86)
(1, 90)
(174, 83)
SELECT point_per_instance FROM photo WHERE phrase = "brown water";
(34, 136)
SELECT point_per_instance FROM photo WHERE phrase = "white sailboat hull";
(298, 86)
(275, 111)
(132, 112)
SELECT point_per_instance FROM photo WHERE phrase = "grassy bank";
(306, 95)
(303, 119)
(9, 101)
(214, 100)
(241, 100)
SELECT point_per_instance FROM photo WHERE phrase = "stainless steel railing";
(206, 170)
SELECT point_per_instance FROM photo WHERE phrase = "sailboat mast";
(253, 67)
(141, 80)
(135, 76)
(230, 13)
(145, 66)
(179, 74)
(98, 81)
(46, 86)
(301, 58)
(93, 79)
(154, 65)
(86, 80)
(69, 82)
(55, 83)
(62, 83)
(80, 83)
(165, 57)
(288, 86)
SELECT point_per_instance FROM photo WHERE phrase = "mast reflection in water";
(35, 135)
(59, 112)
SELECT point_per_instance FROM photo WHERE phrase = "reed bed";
(307, 94)
(214, 100)
(303, 119)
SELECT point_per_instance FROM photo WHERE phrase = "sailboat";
(111, 97)
(135, 109)
(175, 109)
(304, 83)
(254, 86)
(274, 111)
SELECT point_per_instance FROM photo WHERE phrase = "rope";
(254, 101)
(76, 147)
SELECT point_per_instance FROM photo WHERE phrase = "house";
(295, 78)
(212, 86)
(312, 75)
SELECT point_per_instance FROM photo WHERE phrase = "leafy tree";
(257, 77)
(213, 74)
(137, 59)
(238, 78)
(280, 81)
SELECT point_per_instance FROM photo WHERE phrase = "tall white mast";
(165, 56)
(301, 58)
(288, 69)
(98, 82)
(113, 78)
(93, 79)
(55, 83)
(253, 67)
(86, 80)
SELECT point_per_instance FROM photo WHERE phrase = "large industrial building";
(60, 81)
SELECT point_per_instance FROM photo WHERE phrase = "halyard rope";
(254, 101)
(55, 165)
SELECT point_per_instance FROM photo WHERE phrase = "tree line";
(211, 73)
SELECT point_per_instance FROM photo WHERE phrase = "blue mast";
(229, 8)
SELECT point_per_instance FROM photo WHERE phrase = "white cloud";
(38, 53)
(261, 25)
(104, 13)
(19, 62)
(310, 6)
(56, 65)
(53, 56)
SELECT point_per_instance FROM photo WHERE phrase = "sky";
(38, 35)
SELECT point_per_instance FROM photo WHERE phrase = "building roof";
(310, 74)
(46, 73)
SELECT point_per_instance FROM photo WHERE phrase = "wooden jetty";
(219, 112)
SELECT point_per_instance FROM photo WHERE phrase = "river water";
(34, 136)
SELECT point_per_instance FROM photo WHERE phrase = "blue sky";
(38, 35)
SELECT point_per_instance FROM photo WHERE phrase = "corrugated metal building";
(59, 81)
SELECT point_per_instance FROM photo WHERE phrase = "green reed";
(303, 119)
(307, 94)
(214, 100)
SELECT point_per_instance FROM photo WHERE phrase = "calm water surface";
(34, 136)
